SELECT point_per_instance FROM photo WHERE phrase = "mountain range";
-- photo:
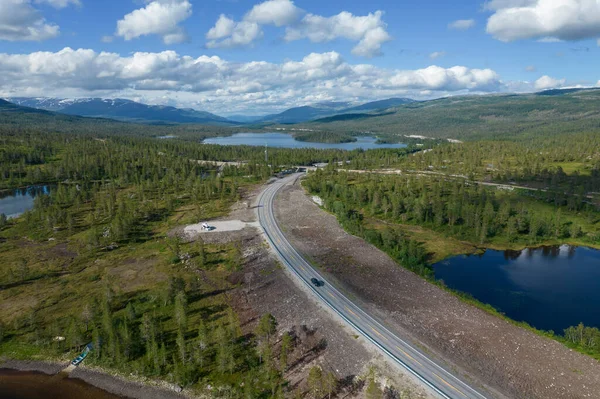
(131, 111)
(123, 110)
(325, 109)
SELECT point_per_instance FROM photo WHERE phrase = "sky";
(257, 57)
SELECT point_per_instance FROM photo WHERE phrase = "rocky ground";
(507, 360)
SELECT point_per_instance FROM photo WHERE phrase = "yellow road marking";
(446, 382)
(349, 310)
(407, 355)
(377, 332)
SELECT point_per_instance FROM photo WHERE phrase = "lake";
(33, 385)
(13, 203)
(283, 140)
(551, 288)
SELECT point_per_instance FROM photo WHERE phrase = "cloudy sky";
(253, 57)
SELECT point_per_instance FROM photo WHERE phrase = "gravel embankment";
(509, 360)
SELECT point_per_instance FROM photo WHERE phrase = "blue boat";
(77, 361)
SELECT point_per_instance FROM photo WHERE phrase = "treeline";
(34, 158)
(325, 137)
(467, 212)
(157, 334)
(408, 252)
(585, 339)
(567, 165)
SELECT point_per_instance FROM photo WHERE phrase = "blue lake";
(16, 202)
(551, 288)
(283, 140)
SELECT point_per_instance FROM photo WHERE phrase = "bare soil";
(320, 338)
(505, 359)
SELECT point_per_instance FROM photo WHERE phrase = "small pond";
(283, 140)
(551, 288)
(13, 203)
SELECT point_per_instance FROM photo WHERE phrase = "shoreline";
(102, 379)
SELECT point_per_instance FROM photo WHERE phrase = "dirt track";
(514, 361)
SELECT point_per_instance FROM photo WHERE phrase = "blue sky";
(247, 56)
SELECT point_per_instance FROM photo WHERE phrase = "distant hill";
(298, 114)
(328, 109)
(497, 116)
(382, 104)
(124, 110)
(245, 118)
(20, 117)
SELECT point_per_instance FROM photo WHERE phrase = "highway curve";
(434, 376)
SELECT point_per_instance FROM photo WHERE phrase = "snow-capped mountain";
(120, 109)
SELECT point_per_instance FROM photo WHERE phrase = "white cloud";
(159, 17)
(462, 24)
(107, 39)
(547, 82)
(437, 54)
(559, 19)
(221, 86)
(368, 30)
(228, 33)
(274, 12)
(19, 21)
(59, 3)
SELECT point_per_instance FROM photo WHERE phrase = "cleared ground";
(516, 362)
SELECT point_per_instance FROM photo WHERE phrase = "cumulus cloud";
(228, 33)
(274, 12)
(562, 20)
(462, 24)
(369, 30)
(547, 82)
(59, 3)
(437, 54)
(221, 85)
(19, 21)
(159, 17)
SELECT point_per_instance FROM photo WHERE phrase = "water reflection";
(551, 288)
(282, 140)
(15, 202)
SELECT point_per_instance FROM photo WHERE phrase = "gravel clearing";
(217, 226)
(509, 360)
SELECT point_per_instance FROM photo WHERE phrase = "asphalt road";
(434, 376)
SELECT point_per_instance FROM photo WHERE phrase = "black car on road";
(317, 282)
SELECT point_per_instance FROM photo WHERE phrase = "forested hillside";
(506, 117)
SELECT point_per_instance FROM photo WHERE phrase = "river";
(283, 140)
(551, 288)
